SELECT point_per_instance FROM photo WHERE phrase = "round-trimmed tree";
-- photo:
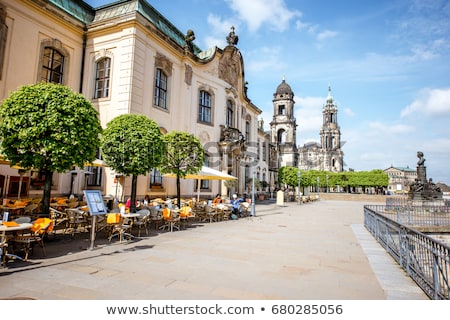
(132, 144)
(184, 155)
(50, 128)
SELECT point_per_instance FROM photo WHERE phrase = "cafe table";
(4, 229)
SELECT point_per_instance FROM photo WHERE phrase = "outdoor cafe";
(25, 230)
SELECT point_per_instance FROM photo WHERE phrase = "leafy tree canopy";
(184, 155)
(374, 178)
(48, 126)
(132, 144)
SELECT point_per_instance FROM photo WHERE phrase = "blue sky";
(387, 62)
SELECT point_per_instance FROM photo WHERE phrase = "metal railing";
(426, 260)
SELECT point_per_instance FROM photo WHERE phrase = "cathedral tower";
(283, 126)
(330, 137)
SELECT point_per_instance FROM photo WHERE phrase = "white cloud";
(430, 102)
(264, 59)
(349, 112)
(256, 13)
(380, 127)
(327, 34)
(219, 28)
(300, 25)
(309, 118)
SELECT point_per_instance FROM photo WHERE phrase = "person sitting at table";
(217, 199)
(146, 200)
(236, 204)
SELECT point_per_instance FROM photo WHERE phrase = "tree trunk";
(178, 192)
(133, 193)
(47, 192)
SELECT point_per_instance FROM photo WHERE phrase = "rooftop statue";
(232, 38)
(189, 38)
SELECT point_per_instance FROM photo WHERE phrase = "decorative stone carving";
(189, 38)
(188, 74)
(164, 64)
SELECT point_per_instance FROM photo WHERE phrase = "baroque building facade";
(326, 155)
(126, 57)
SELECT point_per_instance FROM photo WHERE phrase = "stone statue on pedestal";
(422, 189)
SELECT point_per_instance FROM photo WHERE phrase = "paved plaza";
(318, 250)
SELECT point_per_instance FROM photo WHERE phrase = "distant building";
(326, 155)
(283, 127)
(400, 178)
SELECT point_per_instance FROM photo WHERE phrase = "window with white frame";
(102, 78)
(229, 115)
(204, 108)
(155, 179)
(160, 95)
(52, 70)
(247, 131)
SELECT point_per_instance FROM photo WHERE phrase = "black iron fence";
(426, 260)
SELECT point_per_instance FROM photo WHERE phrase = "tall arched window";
(160, 98)
(52, 66)
(204, 108)
(230, 111)
(247, 131)
(281, 136)
(102, 78)
(155, 179)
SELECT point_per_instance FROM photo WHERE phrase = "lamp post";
(327, 183)
(252, 212)
(318, 183)
(299, 175)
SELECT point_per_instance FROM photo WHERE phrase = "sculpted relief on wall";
(229, 67)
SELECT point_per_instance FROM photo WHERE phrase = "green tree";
(132, 144)
(184, 155)
(48, 127)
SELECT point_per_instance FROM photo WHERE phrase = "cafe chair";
(186, 215)
(171, 220)
(59, 218)
(38, 230)
(75, 221)
(118, 227)
(3, 251)
(142, 221)
(155, 216)
(30, 210)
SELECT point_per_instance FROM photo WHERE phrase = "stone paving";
(317, 250)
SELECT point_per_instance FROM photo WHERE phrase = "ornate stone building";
(326, 156)
(126, 57)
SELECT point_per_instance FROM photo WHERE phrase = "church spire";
(330, 97)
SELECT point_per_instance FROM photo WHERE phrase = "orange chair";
(38, 230)
(118, 227)
(171, 220)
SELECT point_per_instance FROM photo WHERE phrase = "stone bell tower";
(330, 137)
(283, 126)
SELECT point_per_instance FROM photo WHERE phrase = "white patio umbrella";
(205, 173)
